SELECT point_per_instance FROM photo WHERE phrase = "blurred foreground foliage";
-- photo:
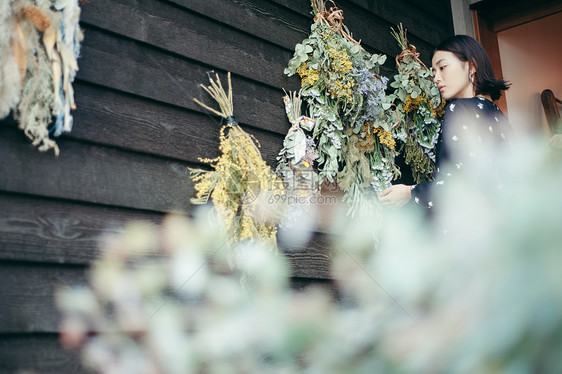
(476, 289)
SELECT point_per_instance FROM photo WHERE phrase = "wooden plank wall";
(136, 129)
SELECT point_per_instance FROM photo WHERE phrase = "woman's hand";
(395, 196)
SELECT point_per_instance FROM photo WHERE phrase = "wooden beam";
(513, 20)
(57, 231)
(94, 174)
(489, 39)
(129, 67)
(189, 35)
(37, 353)
(135, 123)
(27, 296)
(65, 232)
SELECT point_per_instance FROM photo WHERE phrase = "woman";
(464, 75)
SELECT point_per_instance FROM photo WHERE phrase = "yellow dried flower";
(239, 172)
(385, 137)
(340, 61)
(341, 90)
(412, 104)
(302, 69)
(439, 111)
(308, 76)
(239, 179)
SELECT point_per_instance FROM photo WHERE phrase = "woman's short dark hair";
(468, 49)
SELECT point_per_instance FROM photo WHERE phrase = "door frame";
(490, 17)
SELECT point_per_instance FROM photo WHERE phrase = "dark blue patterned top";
(470, 125)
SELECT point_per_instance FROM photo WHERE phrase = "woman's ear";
(472, 67)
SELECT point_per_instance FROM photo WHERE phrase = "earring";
(471, 79)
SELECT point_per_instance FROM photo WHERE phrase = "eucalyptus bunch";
(345, 95)
(419, 107)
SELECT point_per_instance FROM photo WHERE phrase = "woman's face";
(451, 76)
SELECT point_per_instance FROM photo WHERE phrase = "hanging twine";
(408, 50)
(412, 52)
(333, 18)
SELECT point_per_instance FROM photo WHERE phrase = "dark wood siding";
(137, 128)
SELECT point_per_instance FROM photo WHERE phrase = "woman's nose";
(436, 77)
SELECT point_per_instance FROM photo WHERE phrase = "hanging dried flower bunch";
(297, 158)
(240, 182)
(345, 95)
(420, 106)
(296, 163)
(39, 45)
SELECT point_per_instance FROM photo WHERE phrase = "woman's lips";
(441, 88)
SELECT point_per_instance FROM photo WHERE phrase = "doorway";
(523, 41)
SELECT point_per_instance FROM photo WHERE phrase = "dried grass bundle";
(241, 184)
(39, 45)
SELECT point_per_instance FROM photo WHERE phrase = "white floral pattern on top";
(479, 122)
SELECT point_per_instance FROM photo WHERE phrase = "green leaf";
(379, 59)
(299, 48)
